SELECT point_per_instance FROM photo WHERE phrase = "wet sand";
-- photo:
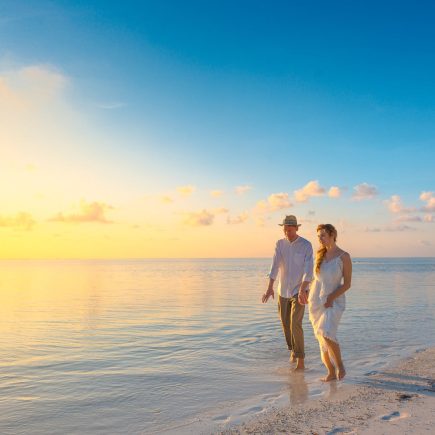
(399, 400)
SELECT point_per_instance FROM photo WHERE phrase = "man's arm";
(269, 292)
(273, 273)
(307, 277)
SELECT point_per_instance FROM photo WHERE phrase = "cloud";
(260, 221)
(238, 219)
(21, 221)
(166, 199)
(334, 192)
(216, 193)
(186, 190)
(29, 87)
(276, 201)
(199, 219)
(395, 205)
(312, 188)
(364, 191)
(389, 228)
(240, 190)
(202, 218)
(408, 218)
(89, 212)
(111, 106)
(372, 230)
(429, 198)
(221, 210)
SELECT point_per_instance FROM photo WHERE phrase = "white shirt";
(294, 261)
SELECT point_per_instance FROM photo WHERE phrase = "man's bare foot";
(300, 366)
(329, 377)
(341, 373)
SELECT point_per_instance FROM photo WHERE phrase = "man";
(294, 260)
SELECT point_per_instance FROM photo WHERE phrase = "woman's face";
(324, 238)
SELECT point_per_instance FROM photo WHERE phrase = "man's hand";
(267, 295)
(303, 297)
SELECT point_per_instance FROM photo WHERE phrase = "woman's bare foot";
(292, 358)
(341, 373)
(329, 377)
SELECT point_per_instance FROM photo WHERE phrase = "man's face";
(290, 231)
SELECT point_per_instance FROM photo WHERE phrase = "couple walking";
(324, 293)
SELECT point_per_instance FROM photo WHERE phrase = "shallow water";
(147, 345)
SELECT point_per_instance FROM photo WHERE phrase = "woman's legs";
(335, 353)
(329, 366)
(324, 354)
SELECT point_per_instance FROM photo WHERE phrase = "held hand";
(329, 301)
(267, 295)
(303, 297)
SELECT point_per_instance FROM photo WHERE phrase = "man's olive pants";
(291, 313)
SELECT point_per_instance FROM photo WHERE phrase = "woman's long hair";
(321, 252)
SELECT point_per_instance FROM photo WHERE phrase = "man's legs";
(284, 310)
(297, 333)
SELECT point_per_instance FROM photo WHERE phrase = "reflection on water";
(130, 346)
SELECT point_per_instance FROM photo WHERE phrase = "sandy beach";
(398, 400)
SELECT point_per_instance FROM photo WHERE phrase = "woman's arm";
(347, 280)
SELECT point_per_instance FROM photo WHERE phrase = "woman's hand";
(329, 301)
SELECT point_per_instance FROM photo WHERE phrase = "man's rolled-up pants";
(291, 313)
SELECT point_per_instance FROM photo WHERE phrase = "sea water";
(152, 346)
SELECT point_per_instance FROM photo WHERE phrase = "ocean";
(173, 345)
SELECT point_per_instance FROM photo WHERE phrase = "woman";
(333, 273)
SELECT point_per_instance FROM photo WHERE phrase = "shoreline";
(399, 399)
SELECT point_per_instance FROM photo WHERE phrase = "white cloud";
(312, 188)
(364, 191)
(395, 205)
(216, 193)
(389, 229)
(238, 219)
(275, 201)
(202, 218)
(334, 192)
(186, 190)
(240, 190)
(21, 221)
(111, 106)
(29, 87)
(199, 219)
(89, 212)
(398, 228)
(429, 198)
(166, 199)
(408, 218)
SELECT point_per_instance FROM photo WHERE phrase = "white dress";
(325, 320)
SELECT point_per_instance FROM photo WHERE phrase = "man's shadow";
(298, 388)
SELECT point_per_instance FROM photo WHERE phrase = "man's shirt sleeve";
(274, 269)
(308, 265)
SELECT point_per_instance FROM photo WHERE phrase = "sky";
(157, 129)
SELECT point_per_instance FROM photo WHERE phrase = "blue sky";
(219, 94)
